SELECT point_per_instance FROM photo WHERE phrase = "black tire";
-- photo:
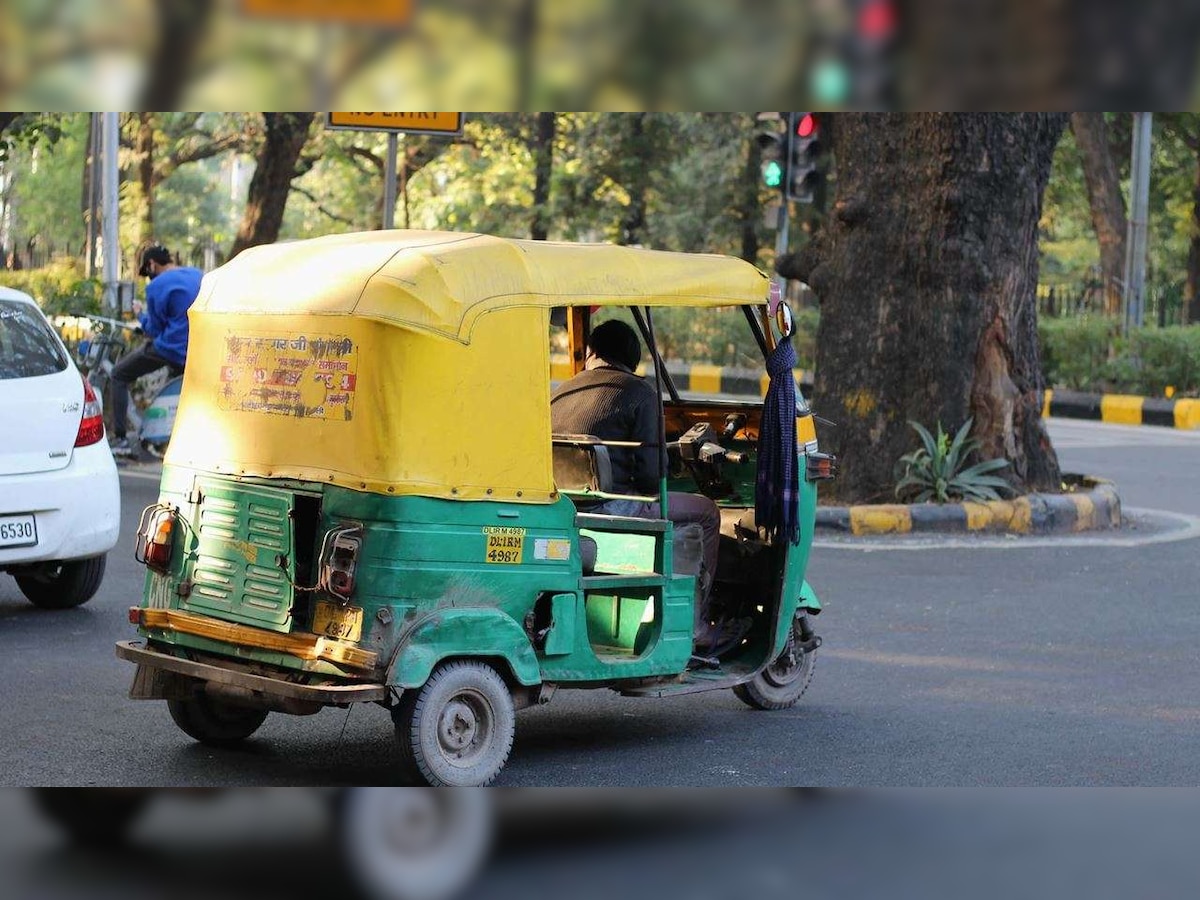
(93, 817)
(63, 585)
(213, 722)
(457, 729)
(781, 684)
(411, 843)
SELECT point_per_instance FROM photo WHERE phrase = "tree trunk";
(543, 155)
(749, 207)
(182, 30)
(1191, 291)
(926, 271)
(1106, 201)
(633, 224)
(144, 153)
(269, 187)
(89, 201)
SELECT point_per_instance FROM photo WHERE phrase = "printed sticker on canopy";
(311, 376)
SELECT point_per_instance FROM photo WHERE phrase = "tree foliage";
(1070, 247)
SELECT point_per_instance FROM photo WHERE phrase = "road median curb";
(1122, 409)
(1092, 504)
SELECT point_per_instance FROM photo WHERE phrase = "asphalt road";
(1052, 662)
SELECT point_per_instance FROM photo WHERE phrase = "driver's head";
(616, 343)
(154, 258)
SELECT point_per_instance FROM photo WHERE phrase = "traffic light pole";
(1135, 252)
(781, 242)
(111, 177)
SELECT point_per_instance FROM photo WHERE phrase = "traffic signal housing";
(773, 148)
(804, 176)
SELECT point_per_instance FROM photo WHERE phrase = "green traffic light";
(772, 173)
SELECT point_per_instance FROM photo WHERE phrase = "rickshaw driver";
(609, 401)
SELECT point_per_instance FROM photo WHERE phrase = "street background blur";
(597, 54)
(654, 844)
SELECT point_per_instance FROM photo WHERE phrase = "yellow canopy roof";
(441, 282)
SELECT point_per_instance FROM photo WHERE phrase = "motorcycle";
(151, 414)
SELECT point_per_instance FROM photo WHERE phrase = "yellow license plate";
(341, 622)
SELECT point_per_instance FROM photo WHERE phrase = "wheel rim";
(412, 822)
(465, 729)
(788, 667)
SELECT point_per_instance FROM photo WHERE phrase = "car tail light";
(91, 426)
(339, 559)
(820, 466)
(153, 547)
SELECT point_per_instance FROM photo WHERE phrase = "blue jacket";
(168, 298)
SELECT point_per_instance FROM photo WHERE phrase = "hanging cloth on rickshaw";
(777, 488)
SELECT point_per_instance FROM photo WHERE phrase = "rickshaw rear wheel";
(407, 843)
(215, 723)
(93, 817)
(457, 729)
(781, 684)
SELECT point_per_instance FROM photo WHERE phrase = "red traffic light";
(806, 125)
(877, 20)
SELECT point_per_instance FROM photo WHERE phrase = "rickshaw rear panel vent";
(242, 534)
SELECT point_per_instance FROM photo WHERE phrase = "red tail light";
(339, 559)
(91, 426)
(153, 547)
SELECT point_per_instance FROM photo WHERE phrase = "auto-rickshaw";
(363, 501)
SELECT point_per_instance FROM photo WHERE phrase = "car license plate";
(18, 531)
(341, 622)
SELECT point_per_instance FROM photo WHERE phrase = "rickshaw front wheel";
(781, 684)
(457, 729)
(213, 722)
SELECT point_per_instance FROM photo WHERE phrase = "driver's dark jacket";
(614, 404)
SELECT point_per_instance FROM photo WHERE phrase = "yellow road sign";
(408, 122)
(362, 12)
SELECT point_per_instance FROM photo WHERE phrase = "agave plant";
(934, 470)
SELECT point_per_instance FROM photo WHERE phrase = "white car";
(60, 500)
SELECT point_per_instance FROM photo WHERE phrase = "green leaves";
(934, 472)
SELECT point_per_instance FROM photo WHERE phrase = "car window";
(27, 345)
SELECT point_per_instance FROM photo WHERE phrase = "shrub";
(1154, 358)
(1075, 352)
(935, 470)
(1089, 354)
(58, 288)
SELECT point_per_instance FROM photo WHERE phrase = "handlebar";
(115, 323)
(698, 445)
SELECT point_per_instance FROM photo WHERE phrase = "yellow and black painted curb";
(1122, 409)
(1092, 504)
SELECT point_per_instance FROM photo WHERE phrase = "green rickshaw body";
(362, 501)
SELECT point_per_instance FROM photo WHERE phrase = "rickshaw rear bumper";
(253, 689)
